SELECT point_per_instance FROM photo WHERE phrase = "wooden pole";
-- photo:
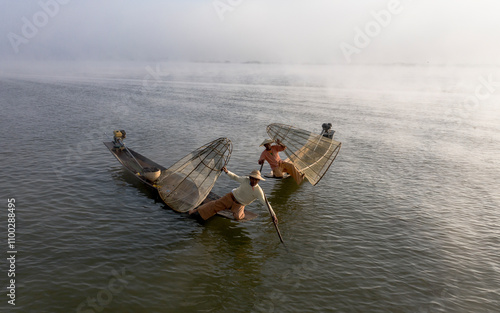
(274, 222)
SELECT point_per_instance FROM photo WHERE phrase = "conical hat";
(266, 142)
(256, 174)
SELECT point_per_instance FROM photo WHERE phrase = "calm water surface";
(406, 220)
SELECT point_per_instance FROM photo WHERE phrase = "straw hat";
(265, 142)
(256, 174)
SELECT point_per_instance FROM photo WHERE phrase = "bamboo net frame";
(188, 182)
(312, 154)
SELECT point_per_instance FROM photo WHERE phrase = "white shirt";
(245, 193)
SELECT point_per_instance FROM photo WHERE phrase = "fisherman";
(278, 166)
(236, 200)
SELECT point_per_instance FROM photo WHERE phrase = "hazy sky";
(315, 31)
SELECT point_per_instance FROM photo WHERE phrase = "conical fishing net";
(312, 154)
(187, 183)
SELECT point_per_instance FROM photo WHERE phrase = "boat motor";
(327, 130)
(118, 136)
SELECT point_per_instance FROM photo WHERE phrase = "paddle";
(274, 222)
(272, 214)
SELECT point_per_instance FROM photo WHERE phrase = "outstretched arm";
(233, 176)
(278, 141)
(281, 146)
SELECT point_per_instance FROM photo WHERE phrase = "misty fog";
(295, 32)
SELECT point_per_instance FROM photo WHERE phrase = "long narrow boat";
(128, 159)
(136, 164)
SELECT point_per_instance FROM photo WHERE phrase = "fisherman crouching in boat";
(278, 166)
(248, 191)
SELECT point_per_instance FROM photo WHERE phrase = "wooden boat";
(136, 163)
(126, 158)
(270, 175)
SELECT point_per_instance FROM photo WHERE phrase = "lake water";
(406, 219)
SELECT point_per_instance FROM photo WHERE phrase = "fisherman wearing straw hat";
(278, 166)
(248, 191)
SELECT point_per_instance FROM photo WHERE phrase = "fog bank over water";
(297, 32)
(463, 91)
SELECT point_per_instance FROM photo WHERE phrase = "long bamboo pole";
(274, 222)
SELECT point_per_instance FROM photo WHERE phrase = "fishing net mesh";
(187, 183)
(312, 154)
